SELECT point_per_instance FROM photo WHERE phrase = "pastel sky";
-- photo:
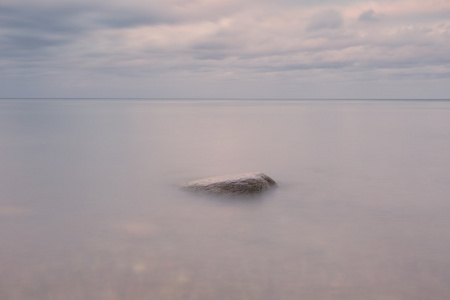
(225, 48)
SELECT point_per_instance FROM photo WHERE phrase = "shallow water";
(90, 206)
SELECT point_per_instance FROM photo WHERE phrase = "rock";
(238, 184)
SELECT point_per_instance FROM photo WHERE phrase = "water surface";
(90, 206)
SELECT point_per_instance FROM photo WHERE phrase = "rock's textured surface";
(238, 184)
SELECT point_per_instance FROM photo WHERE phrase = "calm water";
(90, 207)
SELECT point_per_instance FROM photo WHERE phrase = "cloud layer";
(218, 48)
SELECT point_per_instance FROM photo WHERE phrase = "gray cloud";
(31, 43)
(368, 16)
(328, 19)
(61, 19)
(120, 19)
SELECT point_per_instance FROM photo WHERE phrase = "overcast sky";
(225, 48)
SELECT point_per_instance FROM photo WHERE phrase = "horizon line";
(218, 98)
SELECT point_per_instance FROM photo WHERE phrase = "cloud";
(221, 40)
(368, 16)
(328, 19)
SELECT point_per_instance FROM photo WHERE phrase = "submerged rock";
(238, 184)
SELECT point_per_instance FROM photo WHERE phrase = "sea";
(91, 206)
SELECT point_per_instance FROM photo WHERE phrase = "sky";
(225, 49)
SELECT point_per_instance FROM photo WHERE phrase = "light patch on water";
(14, 211)
(137, 228)
(139, 268)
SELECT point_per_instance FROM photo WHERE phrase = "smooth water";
(90, 205)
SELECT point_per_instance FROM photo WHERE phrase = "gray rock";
(238, 184)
